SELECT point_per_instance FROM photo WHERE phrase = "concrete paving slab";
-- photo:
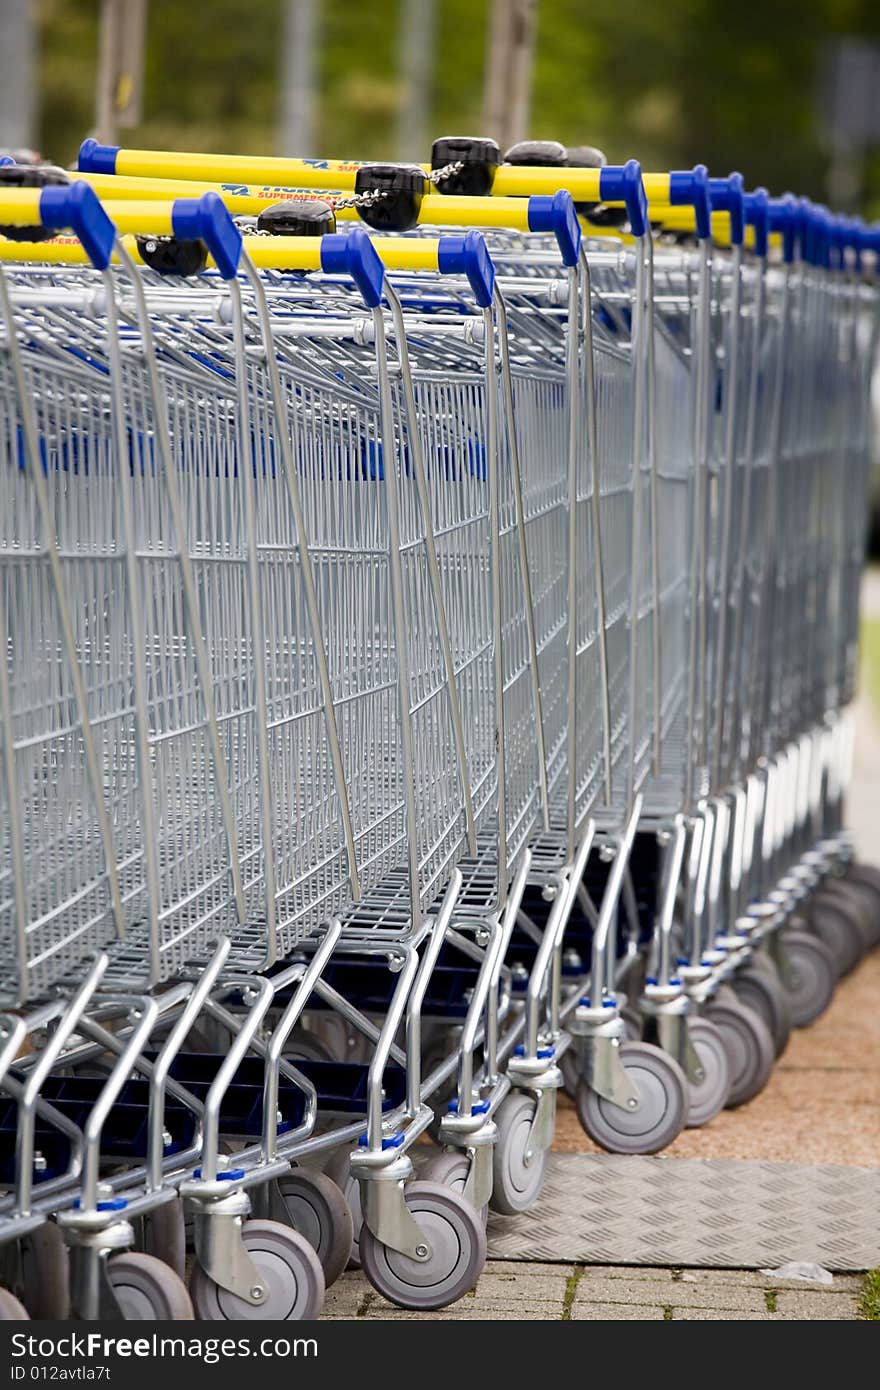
(821, 1306)
(617, 1312)
(638, 1293)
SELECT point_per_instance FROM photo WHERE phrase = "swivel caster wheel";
(165, 1235)
(866, 877)
(318, 1210)
(338, 1169)
(457, 1252)
(632, 1022)
(811, 977)
(571, 1073)
(10, 1308)
(303, 1046)
(708, 1097)
(755, 987)
(516, 1180)
(838, 925)
(863, 904)
(660, 1115)
(291, 1274)
(452, 1170)
(147, 1290)
(749, 1047)
(45, 1273)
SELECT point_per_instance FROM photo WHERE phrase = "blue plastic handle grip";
(756, 207)
(727, 195)
(869, 239)
(807, 230)
(206, 219)
(355, 255)
(77, 206)
(623, 184)
(95, 158)
(559, 216)
(469, 255)
(783, 217)
(822, 237)
(690, 188)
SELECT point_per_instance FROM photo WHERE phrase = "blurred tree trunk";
(511, 51)
(17, 77)
(298, 79)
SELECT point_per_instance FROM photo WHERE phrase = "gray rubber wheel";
(516, 1184)
(834, 922)
(660, 1116)
(762, 960)
(749, 1046)
(571, 1072)
(632, 1022)
(303, 1046)
(437, 1051)
(708, 1097)
(10, 1308)
(165, 1235)
(866, 879)
(290, 1269)
(451, 1170)
(458, 1252)
(338, 1169)
(856, 897)
(754, 986)
(812, 975)
(868, 898)
(318, 1210)
(45, 1273)
(147, 1290)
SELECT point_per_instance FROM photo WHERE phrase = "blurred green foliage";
(670, 81)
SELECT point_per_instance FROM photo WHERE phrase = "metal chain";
(373, 196)
(445, 172)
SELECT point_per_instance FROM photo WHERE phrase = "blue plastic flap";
(623, 184)
(757, 212)
(469, 255)
(559, 216)
(690, 188)
(356, 256)
(77, 206)
(727, 195)
(206, 219)
(95, 158)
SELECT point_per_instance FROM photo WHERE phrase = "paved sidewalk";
(513, 1291)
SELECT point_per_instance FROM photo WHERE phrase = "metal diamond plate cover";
(604, 1209)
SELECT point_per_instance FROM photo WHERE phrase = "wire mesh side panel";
(737, 346)
(55, 888)
(624, 492)
(753, 720)
(188, 470)
(860, 332)
(451, 413)
(348, 460)
(673, 393)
